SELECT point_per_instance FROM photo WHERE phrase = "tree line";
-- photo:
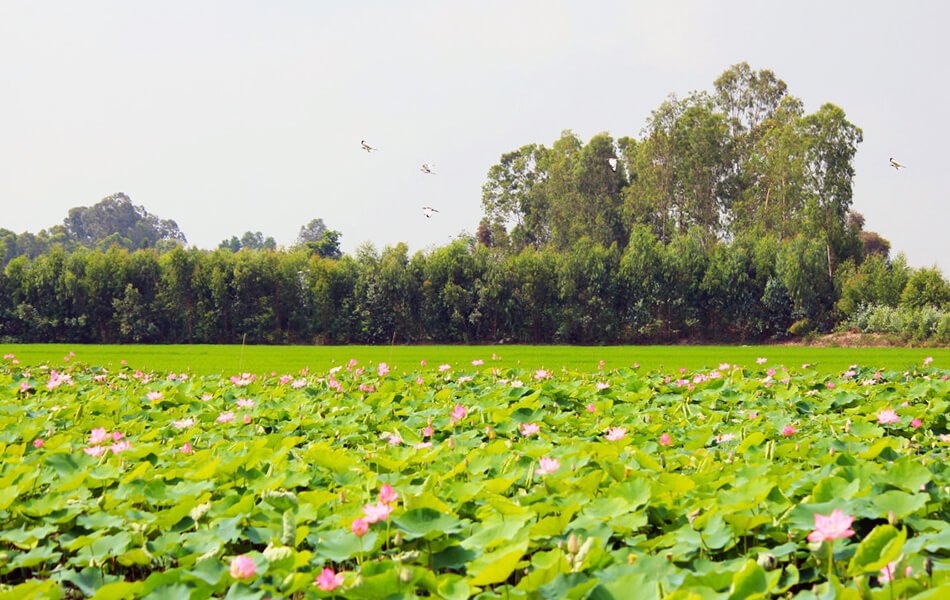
(465, 292)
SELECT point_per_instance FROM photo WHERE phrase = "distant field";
(211, 359)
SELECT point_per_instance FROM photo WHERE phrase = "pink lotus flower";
(546, 466)
(542, 374)
(724, 366)
(98, 435)
(120, 447)
(420, 380)
(206, 397)
(24, 387)
(887, 573)
(665, 439)
(445, 367)
(422, 445)
(394, 439)
(830, 385)
(529, 429)
(725, 437)
(458, 414)
(788, 431)
(928, 360)
(887, 415)
(428, 431)
(245, 403)
(186, 448)
(242, 567)
(153, 396)
(246, 418)
(183, 423)
(94, 450)
(616, 433)
(38, 443)
(833, 526)
(602, 385)
(422, 362)
(387, 494)
(336, 369)
(916, 423)
(8, 356)
(591, 407)
(944, 437)
(117, 435)
(285, 379)
(359, 527)
(516, 383)
(761, 360)
(298, 383)
(225, 417)
(328, 581)
(376, 512)
(382, 369)
(477, 362)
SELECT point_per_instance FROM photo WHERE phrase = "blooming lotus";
(427, 431)
(916, 423)
(761, 360)
(529, 429)
(387, 494)
(94, 450)
(887, 573)
(477, 362)
(833, 526)
(459, 413)
(246, 419)
(887, 415)
(516, 383)
(298, 383)
(38, 443)
(98, 435)
(542, 374)
(183, 423)
(382, 369)
(665, 439)
(725, 437)
(591, 407)
(376, 512)
(120, 447)
(788, 431)
(245, 403)
(616, 433)
(445, 367)
(186, 448)
(422, 445)
(225, 417)
(206, 397)
(601, 385)
(242, 567)
(394, 439)
(547, 465)
(328, 581)
(928, 360)
(285, 379)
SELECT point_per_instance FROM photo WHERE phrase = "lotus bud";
(766, 560)
(560, 544)
(397, 539)
(573, 544)
(891, 518)
(491, 433)
(831, 451)
(847, 426)
(342, 497)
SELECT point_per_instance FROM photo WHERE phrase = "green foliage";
(722, 509)
(926, 287)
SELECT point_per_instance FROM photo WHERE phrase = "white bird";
(427, 168)
(613, 162)
(428, 210)
(367, 147)
(897, 165)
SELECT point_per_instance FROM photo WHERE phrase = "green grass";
(211, 359)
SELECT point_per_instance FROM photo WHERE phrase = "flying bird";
(367, 147)
(897, 165)
(428, 210)
(427, 168)
(613, 162)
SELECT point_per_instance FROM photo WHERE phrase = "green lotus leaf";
(425, 522)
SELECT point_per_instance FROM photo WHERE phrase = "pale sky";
(229, 116)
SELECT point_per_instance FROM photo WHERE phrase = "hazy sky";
(229, 116)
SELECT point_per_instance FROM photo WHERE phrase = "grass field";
(212, 359)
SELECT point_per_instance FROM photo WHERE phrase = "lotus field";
(482, 481)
